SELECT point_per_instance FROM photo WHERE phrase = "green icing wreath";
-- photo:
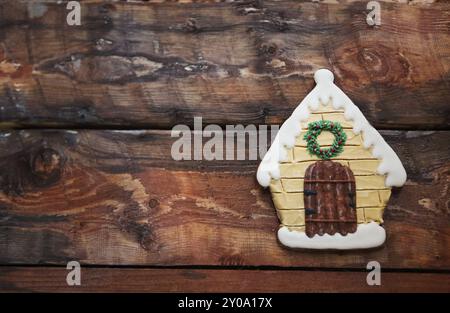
(315, 129)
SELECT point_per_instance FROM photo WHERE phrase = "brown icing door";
(330, 199)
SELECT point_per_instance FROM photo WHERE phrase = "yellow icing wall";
(371, 193)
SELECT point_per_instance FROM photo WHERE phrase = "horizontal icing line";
(292, 209)
(338, 159)
(280, 192)
(357, 175)
(374, 175)
(341, 159)
(296, 177)
(343, 127)
(365, 175)
(301, 209)
(347, 145)
(362, 189)
(304, 225)
(290, 192)
(357, 207)
(326, 112)
(301, 192)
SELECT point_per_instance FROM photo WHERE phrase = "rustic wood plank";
(153, 65)
(38, 279)
(117, 197)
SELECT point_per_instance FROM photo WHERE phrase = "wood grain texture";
(35, 279)
(154, 65)
(118, 198)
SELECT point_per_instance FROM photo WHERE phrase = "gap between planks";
(229, 268)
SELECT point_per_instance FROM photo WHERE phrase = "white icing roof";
(390, 165)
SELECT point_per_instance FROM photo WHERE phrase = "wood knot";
(191, 25)
(280, 24)
(383, 64)
(268, 49)
(153, 203)
(373, 60)
(46, 166)
(107, 20)
(362, 66)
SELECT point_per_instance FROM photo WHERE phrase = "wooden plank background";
(85, 166)
(141, 65)
(201, 280)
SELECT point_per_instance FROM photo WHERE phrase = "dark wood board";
(153, 65)
(118, 198)
(38, 279)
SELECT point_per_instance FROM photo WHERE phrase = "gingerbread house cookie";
(330, 173)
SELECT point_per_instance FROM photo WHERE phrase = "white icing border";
(369, 235)
(325, 89)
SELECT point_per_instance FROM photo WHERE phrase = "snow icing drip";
(366, 236)
(325, 90)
